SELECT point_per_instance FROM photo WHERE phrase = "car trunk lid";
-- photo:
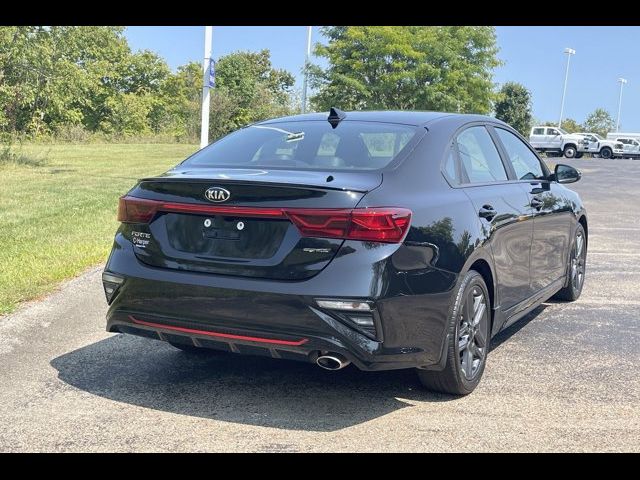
(244, 227)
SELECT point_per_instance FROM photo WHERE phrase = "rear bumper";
(281, 319)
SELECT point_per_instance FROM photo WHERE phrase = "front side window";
(479, 156)
(525, 163)
(552, 131)
(352, 145)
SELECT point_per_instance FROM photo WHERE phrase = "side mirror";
(566, 174)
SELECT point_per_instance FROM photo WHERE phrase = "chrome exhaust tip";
(332, 361)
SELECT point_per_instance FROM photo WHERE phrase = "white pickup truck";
(630, 146)
(556, 140)
(606, 148)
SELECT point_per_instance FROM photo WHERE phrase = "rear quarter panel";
(445, 238)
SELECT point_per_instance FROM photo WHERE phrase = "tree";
(568, 124)
(57, 75)
(248, 89)
(178, 112)
(513, 106)
(86, 79)
(408, 67)
(599, 121)
(571, 126)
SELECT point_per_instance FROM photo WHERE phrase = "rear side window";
(351, 145)
(479, 156)
(450, 169)
(525, 163)
(538, 131)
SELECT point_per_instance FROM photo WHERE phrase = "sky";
(532, 56)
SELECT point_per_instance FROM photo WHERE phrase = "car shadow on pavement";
(233, 388)
(511, 330)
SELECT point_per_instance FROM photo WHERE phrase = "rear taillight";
(369, 224)
(380, 224)
(136, 210)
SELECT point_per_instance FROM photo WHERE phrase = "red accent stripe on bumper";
(293, 343)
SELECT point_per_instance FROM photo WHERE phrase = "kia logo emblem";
(217, 194)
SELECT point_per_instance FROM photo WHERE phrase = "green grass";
(59, 217)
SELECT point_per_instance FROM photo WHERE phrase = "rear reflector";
(209, 333)
(379, 224)
(353, 305)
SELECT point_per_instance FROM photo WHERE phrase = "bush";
(72, 134)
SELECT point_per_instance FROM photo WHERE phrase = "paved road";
(566, 378)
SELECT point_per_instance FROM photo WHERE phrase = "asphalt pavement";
(563, 379)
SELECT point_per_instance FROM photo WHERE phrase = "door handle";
(536, 203)
(487, 212)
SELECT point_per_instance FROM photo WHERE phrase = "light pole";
(622, 82)
(306, 70)
(206, 65)
(569, 52)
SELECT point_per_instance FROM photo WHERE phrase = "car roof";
(406, 117)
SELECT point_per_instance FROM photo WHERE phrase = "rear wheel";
(606, 152)
(570, 151)
(576, 268)
(468, 340)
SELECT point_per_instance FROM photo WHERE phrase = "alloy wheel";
(472, 332)
(578, 260)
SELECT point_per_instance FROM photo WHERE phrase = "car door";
(538, 138)
(592, 144)
(551, 211)
(553, 138)
(502, 208)
(626, 145)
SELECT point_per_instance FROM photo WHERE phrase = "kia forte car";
(387, 240)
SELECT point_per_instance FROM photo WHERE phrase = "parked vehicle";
(384, 239)
(597, 145)
(614, 135)
(554, 140)
(630, 146)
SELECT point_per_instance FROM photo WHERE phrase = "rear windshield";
(311, 144)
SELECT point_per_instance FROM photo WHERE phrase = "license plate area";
(222, 236)
(223, 228)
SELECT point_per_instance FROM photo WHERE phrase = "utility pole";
(306, 70)
(569, 52)
(622, 82)
(206, 65)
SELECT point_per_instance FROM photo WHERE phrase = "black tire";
(570, 151)
(579, 154)
(192, 349)
(460, 377)
(577, 260)
(606, 153)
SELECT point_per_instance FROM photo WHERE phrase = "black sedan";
(384, 239)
